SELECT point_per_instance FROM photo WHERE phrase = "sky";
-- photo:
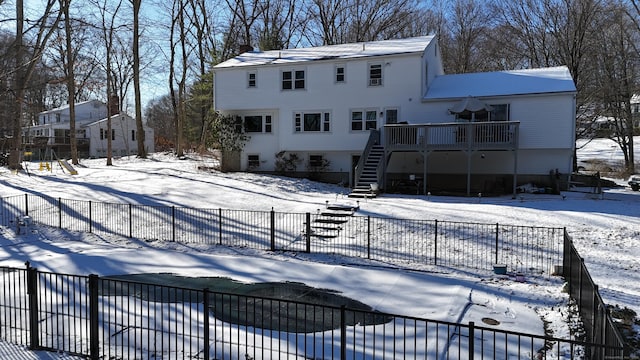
(605, 229)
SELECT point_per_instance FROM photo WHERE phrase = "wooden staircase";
(367, 183)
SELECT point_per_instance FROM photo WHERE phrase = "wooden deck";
(495, 135)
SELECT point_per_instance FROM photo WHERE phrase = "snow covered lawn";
(605, 229)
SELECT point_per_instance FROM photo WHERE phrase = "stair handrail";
(374, 138)
(380, 172)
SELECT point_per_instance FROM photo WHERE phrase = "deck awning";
(470, 105)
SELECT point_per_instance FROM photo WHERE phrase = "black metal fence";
(525, 249)
(598, 324)
(106, 318)
(537, 250)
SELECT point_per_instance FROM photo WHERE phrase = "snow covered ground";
(605, 229)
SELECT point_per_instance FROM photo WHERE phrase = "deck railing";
(491, 135)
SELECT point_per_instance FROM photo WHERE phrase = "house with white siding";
(52, 132)
(383, 116)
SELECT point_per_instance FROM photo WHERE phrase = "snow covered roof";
(330, 52)
(113, 117)
(501, 83)
(96, 103)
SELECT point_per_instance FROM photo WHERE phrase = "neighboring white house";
(341, 108)
(53, 131)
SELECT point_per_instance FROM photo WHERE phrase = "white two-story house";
(383, 115)
(52, 132)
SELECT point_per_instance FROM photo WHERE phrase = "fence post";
(497, 229)
(220, 226)
(273, 230)
(565, 255)
(130, 221)
(60, 213)
(435, 242)
(90, 217)
(580, 285)
(308, 231)
(343, 333)
(594, 316)
(26, 204)
(173, 223)
(205, 301)
(471, 340)
(32, 293)
(369, 237)
(94, 334)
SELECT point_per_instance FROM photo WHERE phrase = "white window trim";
(344, 73)
(396, 108)
(264, 116)
(323, 114)
(375, 82)
(255, 79)
(249, 166)
(293, 79)
(364, 118)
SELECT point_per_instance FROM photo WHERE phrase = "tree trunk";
(14, 159)
(140, 136)
(71, 87)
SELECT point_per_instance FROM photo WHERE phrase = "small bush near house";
(286, 162)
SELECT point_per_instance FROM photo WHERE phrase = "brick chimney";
(115, 104)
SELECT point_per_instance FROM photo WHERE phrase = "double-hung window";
(364, 120)
(312, 122)
(293, 80)
(340, 74)
(252, 78)
(375, 74)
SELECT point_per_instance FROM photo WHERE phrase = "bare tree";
(277, 23)
(619, 69)
(108, 16)
(338, 22)
(140, 135)
(464, 36)
(244, 14)
(87, 84)
(25, 62)
(71, 86)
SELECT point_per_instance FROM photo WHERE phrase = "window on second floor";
(312, 122)
(251, 79)
(340, 73)
(364, 120)
(293, 80)
(375, 74)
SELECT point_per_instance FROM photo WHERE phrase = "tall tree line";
(174, 45)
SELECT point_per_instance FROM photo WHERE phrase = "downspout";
(469, 134)
(516, 137)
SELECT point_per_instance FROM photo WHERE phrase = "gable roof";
(113, 117)
(501, 83)
(65, 107)
(330, 52)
